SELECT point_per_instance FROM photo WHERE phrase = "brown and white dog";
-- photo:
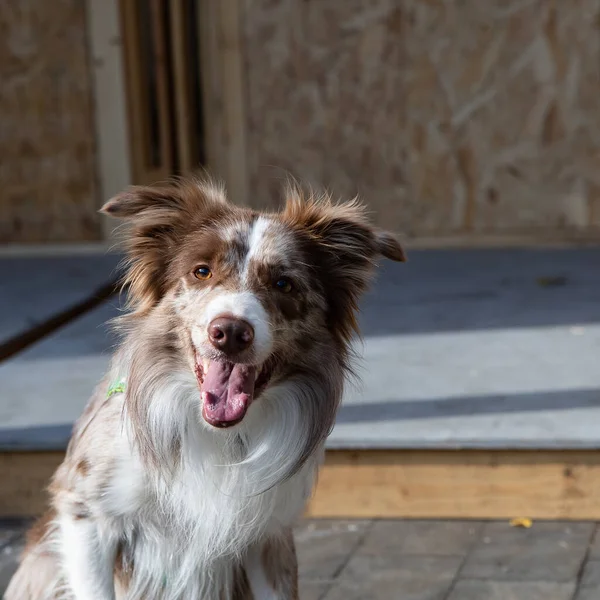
(183, 482)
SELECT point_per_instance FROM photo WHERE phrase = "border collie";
(199, 449)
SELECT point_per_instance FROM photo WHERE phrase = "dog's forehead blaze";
(256, 244)
(238, 248)
(269, 241)
(249, 255)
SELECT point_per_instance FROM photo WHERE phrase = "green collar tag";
(117, 387)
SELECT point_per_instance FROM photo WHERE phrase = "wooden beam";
(234, 97)
(181, 82)
(221, 31)
(161, 65)
(113, 165)
(138, 108)
(134, 90)
(474, 484)
(211, 86)
(25, 477)
(432, 484)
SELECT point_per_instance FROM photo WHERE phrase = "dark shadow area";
(390, 410)
(22, 341)
(48, 438)
(458, 290)
(91, 334)
(40, 294)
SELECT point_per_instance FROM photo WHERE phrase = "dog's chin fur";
(154, 502)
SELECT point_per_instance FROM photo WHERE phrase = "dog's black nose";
(230, 335)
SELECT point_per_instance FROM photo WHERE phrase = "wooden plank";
(234, 98)
(25, 477)
(136, 107)
(161, 65)
(225, 94)
(397, 484)
(143, 172)
(458, 484)
(113, 162)
(182, 85)
(211, 86)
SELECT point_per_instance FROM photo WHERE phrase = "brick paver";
(469, 589)
(11, 545)
(427, 560)
(324, 547)
(595, 545)
(546, 552)
(434, 538)
(586, 593)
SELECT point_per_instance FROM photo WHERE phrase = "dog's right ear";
(160, 217)
(135, 200)
(173, 199)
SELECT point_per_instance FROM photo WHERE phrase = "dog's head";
(253, 297)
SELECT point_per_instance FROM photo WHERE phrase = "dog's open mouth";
(227, 389)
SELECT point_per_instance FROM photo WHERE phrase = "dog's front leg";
(272, 569)
(88, 559)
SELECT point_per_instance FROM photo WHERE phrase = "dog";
(199, 449)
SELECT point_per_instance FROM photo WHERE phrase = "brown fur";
(39, 529)
(345, 246)
(163, 216)
(281, 565)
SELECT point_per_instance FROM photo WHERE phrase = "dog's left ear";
(347, 247)
(343, 228)
(389, 246)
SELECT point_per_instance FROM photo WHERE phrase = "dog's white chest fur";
(185, 530)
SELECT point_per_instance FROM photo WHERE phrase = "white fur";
(259, 584)
(255, 243)
(223, 498)
(88, 561)
(244, 305)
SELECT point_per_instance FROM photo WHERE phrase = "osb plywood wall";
(447, 116)
(46, 128)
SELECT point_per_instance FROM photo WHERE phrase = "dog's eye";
(284, 285)
(203, 273)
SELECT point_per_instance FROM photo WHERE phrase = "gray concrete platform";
(426, 560)
(479, 349)
(462, 349)
(36, 288)
(45, 388)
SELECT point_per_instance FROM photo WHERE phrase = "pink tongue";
(227, 392)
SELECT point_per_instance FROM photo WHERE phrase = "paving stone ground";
(426, 560)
